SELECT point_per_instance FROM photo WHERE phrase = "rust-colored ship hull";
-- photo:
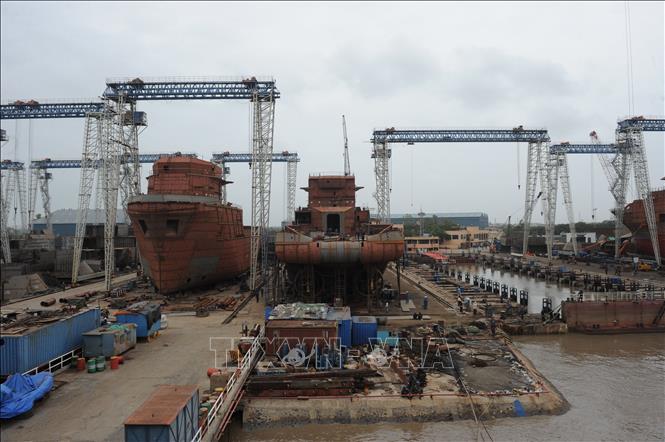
(333, 251)
(635, 219)
(188, 237)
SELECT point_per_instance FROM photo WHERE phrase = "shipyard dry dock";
(467, 372)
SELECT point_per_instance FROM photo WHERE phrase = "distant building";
(582, 237)
(421, 244)
(64, 221)
(468, 237)
(468, 219)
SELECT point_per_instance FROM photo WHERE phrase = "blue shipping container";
(146, 316)
(343, 317)
(170, 414)
(363, 328)
(20, 353)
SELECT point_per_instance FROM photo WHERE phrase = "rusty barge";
(187, 236)
(334, 252)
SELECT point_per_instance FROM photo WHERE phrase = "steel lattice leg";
(530, 196)
(4, 216)
(291, 182)
(44, 178)
(33, 181)
(641, 170)
(262, 144)
(548, 184)
(23, 203)
(89, 162)
(621, 165)
(567, 197)
(381, 157)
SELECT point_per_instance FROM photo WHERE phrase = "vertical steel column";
(291, 182)
(44, 178)
(381, 155)
(33, 181)
(19, 176)
(92, 138)
(621, 164)
(130, 183)
(641, 170)
(263, 117)
(562, 165)
(111, 149)
(530, 192)
(548, 185)
(4, 216)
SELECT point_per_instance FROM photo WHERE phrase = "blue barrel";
(363, 328)
(268, 311)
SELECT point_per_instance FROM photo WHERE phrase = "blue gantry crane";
(558, 164)
(290, 158)
(111, 135)
(632, 154)
(538, 153)
(262, 93)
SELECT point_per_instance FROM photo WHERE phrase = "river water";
(537, 288)
(615, 386)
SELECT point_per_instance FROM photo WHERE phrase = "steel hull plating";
(186, 245)
(635, 220)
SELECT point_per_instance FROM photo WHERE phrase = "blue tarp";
(20, 391)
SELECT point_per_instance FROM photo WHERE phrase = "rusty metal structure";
(334, 252)
(186, 234)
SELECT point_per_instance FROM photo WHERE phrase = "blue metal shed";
(37, 346)
(343, 317)
(170, 414)
(363, 328)
(146, 315)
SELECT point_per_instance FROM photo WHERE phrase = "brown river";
(615, 386)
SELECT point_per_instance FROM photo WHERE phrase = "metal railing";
(55, 364)
(233, 387)
(624, 296)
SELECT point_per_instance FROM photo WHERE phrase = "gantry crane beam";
(20, 110)
(648, 124)
(538, 162)
(192, 88)
(412, 136)
(583, 148)
(290, 158)
(76, 164)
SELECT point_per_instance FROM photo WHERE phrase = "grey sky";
(555, 65)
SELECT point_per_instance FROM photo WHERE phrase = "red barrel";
(80, 364)
(115, 362)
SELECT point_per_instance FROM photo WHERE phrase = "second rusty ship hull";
(187, 242)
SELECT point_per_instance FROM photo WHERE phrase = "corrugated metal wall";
(21, 353)
(363, 328)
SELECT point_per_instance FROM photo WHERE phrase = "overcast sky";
(406, 65)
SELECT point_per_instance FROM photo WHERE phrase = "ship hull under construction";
(634, 218)
(333, 253)
(187, 236)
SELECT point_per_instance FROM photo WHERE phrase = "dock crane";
(290, 158)
(538, 164)
(111, 133)
(347, 162)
